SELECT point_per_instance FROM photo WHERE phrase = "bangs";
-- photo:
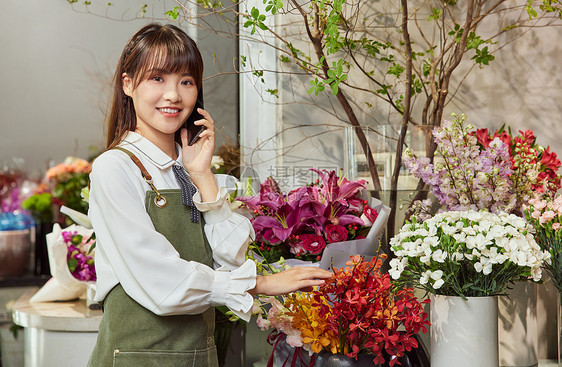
(168, 52)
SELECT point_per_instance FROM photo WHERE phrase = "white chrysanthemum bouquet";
(466, 253)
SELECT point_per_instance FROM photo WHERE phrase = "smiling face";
(150, 83)
(162, 103)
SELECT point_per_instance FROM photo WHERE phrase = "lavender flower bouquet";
(473, 171)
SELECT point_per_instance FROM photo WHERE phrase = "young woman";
(161, 265)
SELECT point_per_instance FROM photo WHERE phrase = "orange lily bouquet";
(359, 311)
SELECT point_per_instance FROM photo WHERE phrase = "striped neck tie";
(188, 189)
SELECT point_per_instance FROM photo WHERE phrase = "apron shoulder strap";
(159, 199)
(134, 158)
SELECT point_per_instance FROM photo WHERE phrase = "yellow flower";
(316, 339)
(305, 313)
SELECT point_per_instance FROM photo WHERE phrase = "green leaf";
(273, 92)
(426, 68)
(335, 88)
(255, 13)
(435, 14)
(173, 14)
(317, 86)
(530, 10)
(383, 89)
(72, 264)
(417, 86)
(395, 69)
(510, 27)
(14, 329)
(482, 56)
(473, 41)
(400, 103)
(457, 33)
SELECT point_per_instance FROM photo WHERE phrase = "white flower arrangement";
(466, 253)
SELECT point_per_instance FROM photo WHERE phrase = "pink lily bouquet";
(303, 222)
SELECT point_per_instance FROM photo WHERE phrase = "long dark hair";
(155, 46)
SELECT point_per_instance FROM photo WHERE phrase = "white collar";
(150, 150)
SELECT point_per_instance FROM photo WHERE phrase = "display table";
(56, 333)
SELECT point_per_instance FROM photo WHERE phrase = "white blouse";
(131, 252)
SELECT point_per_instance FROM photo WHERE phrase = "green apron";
(133, 336)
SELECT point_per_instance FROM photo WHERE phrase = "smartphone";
(193, 131)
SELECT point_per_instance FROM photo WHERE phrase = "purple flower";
(464, 176)
(12, 202)
(80, 264)
(67, 236)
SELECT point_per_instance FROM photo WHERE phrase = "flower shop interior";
(434, 153)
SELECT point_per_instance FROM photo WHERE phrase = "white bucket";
(11, 349)
(464, 333)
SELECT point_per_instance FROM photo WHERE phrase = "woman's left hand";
(197, 157)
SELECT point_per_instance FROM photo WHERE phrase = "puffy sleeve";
(229, 233)
(131, 252)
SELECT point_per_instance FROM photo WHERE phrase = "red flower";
(366, 310)
(549, 160)
(528, 137)
(312, 243)
(504, 136)
(370, 213)
(335, 233)
(483, 137)
(270, 237)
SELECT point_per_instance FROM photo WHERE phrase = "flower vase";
(517, 326)
(414, 358)
(464, 333)
(286, 355)
(340, 360)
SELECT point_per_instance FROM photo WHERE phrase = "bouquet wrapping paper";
(63, 286)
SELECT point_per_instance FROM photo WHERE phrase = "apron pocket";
(165, 358)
